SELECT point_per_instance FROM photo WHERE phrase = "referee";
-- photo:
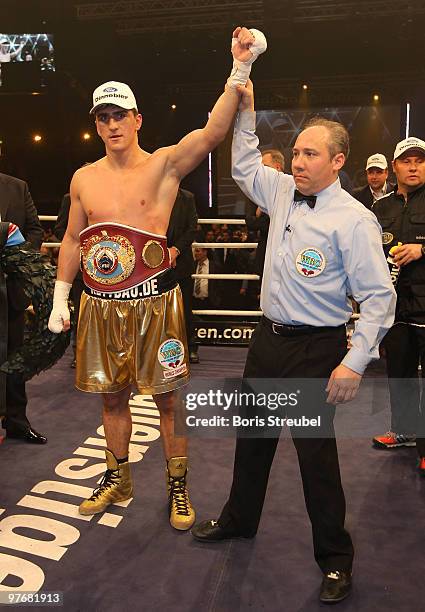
(323, 246)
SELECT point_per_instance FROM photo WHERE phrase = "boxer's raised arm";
(193, 148)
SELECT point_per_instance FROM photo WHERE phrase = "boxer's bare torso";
(140, 195)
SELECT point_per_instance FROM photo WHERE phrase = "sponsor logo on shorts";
(310, 262)
(171, 357)
(173, 373)
(387, 237)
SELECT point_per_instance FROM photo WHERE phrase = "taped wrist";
(61, 294)
(241, 70)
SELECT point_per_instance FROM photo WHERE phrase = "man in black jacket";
(377, 177)
(17, 206)
(180, 235)
(206, 292)
(402, 218)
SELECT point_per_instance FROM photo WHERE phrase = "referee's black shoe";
(210, 531)
(336, 586)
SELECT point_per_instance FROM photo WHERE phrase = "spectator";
(377, 176)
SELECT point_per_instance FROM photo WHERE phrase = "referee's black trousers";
(313, 355)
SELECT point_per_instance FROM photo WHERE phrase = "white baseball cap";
(113, 92)
(377, 161)
(407, 144)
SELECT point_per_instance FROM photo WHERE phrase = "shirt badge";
(387, 237)
(310, 262)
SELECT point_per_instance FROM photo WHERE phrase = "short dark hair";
(339, 140)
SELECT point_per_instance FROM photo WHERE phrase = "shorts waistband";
(280, 329)
(151, 288)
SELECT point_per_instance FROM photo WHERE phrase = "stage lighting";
(376, 98)
(37, 138)
(173, 106)
(305, 86)
(86, 136)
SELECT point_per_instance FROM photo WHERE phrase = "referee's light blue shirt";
(331, 252)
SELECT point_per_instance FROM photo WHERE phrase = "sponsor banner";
(236, 333)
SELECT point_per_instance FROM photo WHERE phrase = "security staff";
(402, 217)
(322, 245)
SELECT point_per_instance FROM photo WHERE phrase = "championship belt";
(117, 257)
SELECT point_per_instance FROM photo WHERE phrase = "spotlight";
(37, 138)
(173, 106)
(86, 136)
(376, 98)
(305, 86)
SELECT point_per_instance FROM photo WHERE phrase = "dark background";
(177, 51)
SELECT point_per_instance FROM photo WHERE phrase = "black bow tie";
(300, 197)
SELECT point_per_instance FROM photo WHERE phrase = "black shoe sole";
(226, 539)
(335, 601)
(378, 446)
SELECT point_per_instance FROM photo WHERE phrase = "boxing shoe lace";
(178, 494)
(109, 478)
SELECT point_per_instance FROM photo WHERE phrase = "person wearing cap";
(377, 177)
(131, 323)
(402, 218)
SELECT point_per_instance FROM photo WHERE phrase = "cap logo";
(110, 89)
(121, 96)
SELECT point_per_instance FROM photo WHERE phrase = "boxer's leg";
(182, 514)
(116, 484)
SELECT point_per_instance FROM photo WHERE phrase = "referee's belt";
(281, 329)
(116, 257)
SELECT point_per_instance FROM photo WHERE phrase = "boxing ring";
(129, 557)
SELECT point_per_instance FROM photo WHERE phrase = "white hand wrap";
(241, 70)
(60, 310)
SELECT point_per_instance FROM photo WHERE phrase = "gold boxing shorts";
(131, 328)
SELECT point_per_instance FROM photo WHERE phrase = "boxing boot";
(182, 515)
(116, 485)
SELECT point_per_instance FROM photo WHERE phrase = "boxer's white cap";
(377, 161)
(116, 93)
(407, 144)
